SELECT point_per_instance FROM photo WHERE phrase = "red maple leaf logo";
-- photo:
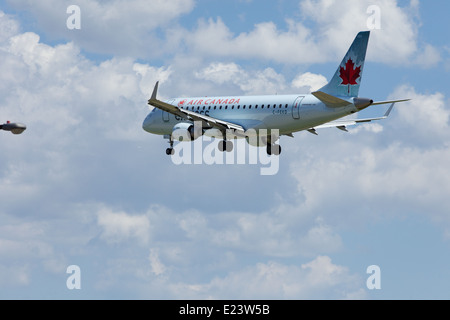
(181, 103)
(350, 73)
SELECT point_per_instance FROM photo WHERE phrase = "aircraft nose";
(146, 125)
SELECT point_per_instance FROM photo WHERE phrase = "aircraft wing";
(193, 116)
(342, 124)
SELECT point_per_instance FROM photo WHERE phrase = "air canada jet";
(257, 117)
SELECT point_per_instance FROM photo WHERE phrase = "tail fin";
(347, 78)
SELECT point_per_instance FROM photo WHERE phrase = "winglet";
(389, 110)
(155, 91)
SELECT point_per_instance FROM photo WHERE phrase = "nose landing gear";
(170, 151)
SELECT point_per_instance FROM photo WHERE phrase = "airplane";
(15, 128)
(236, 117)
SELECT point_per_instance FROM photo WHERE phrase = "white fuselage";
(287, 113)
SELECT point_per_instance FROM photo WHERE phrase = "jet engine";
(362, 103)
(185, 131)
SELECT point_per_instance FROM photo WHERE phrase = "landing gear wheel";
(225, 145)
(222, 145)
(274, 149)
(170, 151)
(229, 146)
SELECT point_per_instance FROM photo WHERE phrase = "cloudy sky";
(86, 186)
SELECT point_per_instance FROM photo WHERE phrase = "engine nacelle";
(362, 103)
(185, 131)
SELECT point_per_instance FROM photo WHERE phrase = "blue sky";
(86, 186)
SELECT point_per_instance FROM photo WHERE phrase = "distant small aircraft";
(15, 128)
(244, 116)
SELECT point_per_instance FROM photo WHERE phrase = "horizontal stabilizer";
(387, 102)
(342, 124)
(329, 100)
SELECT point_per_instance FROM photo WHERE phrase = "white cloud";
(266, 81)
(264, 42)
(403, 166)
(14, 276)
(8, 27)
(321, 272)
(371, 127)
(309, 81)
(157, 267)
(150, 75)
(425, 118)
(117, 28)
(120, 226)
(221, 72)
(447, 58)
(57, 88)
(397, 175)
(395, 43)
(319, 237)
(25, 249)
(428, 57)
(124, 28)
(272, 280)
(281, 234)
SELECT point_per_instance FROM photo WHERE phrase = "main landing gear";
(271, 149)
(274, 149)
(225, 146)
